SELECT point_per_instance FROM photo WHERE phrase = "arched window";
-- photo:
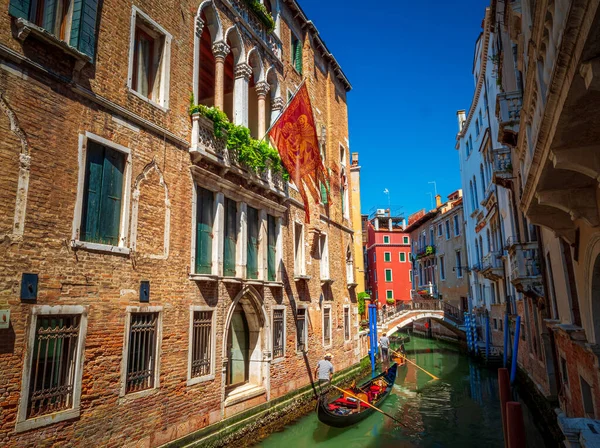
(477, 251)
(475, 190)
(208, 33)
(472, 196)
(483, 183)
(257, 91)
(236, 78)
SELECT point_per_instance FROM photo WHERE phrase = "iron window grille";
(346, 324)
(201, 343)
(278, 343)
(141, 355)
(301, 328)
(327, 326)
(52, 378)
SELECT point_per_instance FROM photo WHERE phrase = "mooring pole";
(504, 392)
(373, 334)
(487, 338)
(515, 352)
(506, 336)
(514, 425)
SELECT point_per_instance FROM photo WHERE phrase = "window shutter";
(204, 220)
(19, 8)
(272, 248)
(323, 193)
(252, 259)
(93, 189)
(49, 15)
(230, 242)
(298, 56)
(83, 26)
(112, 192)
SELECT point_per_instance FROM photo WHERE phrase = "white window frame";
(447, 225)
(218, 232)
(142, 393)
(24, 424)
(387, 295)
(400, 257)
(410, 276)
(324, 257)
(347, 307)
(282, 357)
(405, 240)
(165, 69)
(440, 230)
(330, 326)
(456, 225)
(442, 268)
(459, 267)
(123, 247)
(391, 276)
(299, 258)
(306, 326)
(213, 346)
(385, 254)
(386, 239)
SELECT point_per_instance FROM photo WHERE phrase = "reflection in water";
(460, 410)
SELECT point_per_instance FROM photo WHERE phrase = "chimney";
(376, 223)
(354, 159)
(462, 116)
(438, 201)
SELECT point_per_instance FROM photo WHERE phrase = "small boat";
(346, 411)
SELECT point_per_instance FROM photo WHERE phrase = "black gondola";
(331, 417)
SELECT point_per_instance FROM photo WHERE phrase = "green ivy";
(261, 12)
(362, 296)
(390, 301)
(255, 154)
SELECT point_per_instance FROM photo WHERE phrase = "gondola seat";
(346, 402)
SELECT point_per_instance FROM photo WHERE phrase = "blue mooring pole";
(487, 338)
(506, 340)
(373, 334)
(467, 331)
(515, 352)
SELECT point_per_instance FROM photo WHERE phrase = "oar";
(368, 404)
(416, 365)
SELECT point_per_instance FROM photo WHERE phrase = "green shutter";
(252, 257)
(83, 26)
(298, 56)
(390, 294)
(112, 193)
(388, 275)
(387, 256)
(272, 248)
(49, 18)
(230, 240)
(92, 191)
(19, 8)
(204, 222)
(323, 193)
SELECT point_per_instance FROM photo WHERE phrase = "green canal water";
(461, 409)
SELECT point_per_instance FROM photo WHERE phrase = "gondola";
(341, 414)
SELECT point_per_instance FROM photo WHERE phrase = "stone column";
(241, 73)
(276, 107)
(220, 51)
(262, 246)
(262, 88)
(218, 234)
(242, 240)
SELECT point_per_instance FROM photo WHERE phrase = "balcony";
(207, 147)
(525, 268)
(508, 111)
(492, 266)
(502, 167)
(426, 251)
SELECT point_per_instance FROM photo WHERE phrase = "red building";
(388, 251)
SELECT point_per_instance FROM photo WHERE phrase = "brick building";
(388, 250)
(150, 283)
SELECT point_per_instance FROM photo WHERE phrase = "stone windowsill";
(231, 280)
(200, 379)
(203, 277)
(352, 285)
(274, 284)
(46, 420)
(327, 281)
(131, 396)
(243, 393)
(302, 277)
(26, 28)
(253, 281)
(148, 100)
(98, 247)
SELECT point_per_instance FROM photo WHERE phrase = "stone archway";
(246, 348)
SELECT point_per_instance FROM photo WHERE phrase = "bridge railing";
(452, 312)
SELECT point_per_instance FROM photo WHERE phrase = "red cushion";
(375, 388)
(333, 407)
(345, 402)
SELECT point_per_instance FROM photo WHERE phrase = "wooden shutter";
(90, 229)
(252, 258)
(323, 193)
(111, 197)
(230, 241)
(19, 8)
(204, 222)
(83, 26)
(272, 248)
(298, 56)
(49, 18)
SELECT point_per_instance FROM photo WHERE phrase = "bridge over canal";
(408, 312)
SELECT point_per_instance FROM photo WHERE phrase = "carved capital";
(199, 26)
(262, 88)
(24, 161)
(220, 50)
(242, 70)
(277, 103)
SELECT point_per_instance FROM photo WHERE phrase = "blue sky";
(409, 64)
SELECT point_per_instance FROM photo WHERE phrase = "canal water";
(461, 409)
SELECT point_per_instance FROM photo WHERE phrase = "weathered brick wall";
(52, 118)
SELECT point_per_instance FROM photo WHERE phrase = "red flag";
(295, 137)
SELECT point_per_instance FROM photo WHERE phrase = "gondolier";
(384, 343)
(324, 370)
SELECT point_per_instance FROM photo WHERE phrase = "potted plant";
(390, 301)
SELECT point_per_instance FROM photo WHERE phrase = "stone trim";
(284, 308)
(213, 345)
(24, 424)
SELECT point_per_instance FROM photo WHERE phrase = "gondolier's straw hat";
(328, 355)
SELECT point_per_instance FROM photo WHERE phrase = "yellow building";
(359, 262)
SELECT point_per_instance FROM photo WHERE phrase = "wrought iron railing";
(201, 343)
(141, 356)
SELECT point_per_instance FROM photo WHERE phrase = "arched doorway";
(246, 350)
